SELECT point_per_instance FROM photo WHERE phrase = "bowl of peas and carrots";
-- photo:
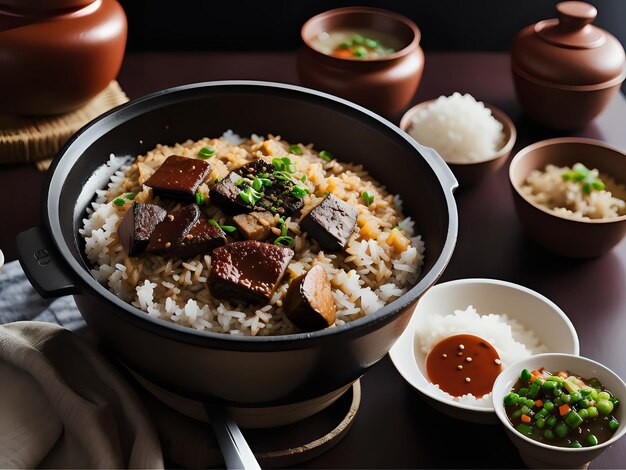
(560, 410)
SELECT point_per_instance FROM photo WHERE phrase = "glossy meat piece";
(173, 229)
(179, 177)
(137, 225)
(331, 223)
(248, 271)
(276, 197)
(201, 239)
(309, 303)
(255, 225)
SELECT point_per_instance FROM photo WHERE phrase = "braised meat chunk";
(309, 303)
(201, 239)
(248, 270)
(137, 225)
(331, 223)
(255, 225)
(173, 229)
(257, 186)
(179, 177)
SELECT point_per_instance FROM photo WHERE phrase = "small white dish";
(536, 454)
(529, 308)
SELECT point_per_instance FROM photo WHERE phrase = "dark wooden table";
(394, 427)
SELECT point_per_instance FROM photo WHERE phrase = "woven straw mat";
(38, 139)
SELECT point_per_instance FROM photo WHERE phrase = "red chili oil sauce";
(462, 364)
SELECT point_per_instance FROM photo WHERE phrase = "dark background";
(446, 25)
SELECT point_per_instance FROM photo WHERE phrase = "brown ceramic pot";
(384, 85)
(566, 70)
(470, 174)
(56, 55)
(562, 235)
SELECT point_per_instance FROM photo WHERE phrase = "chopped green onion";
(517, 413)
(581, 174)
(303, 179)
(525, 429)
(603, 396)
(326, 155)
(561, 429)
(371, 43)
(278, 164)
(592, 412)
(282, 176)
(592, 440)
(289, 166)
(540, 423)
(206, 152)
(548, 405)
(613, 424)
(299, 192)
(584, 414)
(295, 149)
(573, 419)
(367, 198)
(525, 375)
(530, 403)
(240, 182)
(284, 240)
(130, 196)
(575, 444)
(511, 399)
(525, 410)
(256, 184)
(250, 196)
(345, 45)
(358, 39)
(551, 421)
(360, 52)
(200, 198)
(225, 228)
(326, 193)
(548, 434)
(534, 390)
(119, 201)
(522, 392)
(575, 396)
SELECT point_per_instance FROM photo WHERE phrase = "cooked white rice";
(509, 338)
(460, 128)
(380, 262)
(568, 199)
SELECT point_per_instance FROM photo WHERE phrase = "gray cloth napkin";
(62, 405)
(20, 302)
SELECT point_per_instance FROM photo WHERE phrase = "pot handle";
(42, 265)
(449, 180)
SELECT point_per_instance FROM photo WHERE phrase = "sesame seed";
(168, 244)
(444, 355)
(497, 361)
(459, 353)
(468, 359)
(461, 346)
(459, 367)
(170, 216)
(467, 379)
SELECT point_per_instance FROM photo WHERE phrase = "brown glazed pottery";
(566, 70)
(55, 55)
(469, 174)
(565, 236)
(384, 85)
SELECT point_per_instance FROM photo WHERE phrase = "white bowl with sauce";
(532, 310)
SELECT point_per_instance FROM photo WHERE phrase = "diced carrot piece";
(538, 403)
(532, 378)
(564, 409)
(562, 374)
(535, 372)
(525, 419)
(343, 53)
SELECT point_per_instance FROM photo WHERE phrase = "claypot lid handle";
(575, 15)
(573, 28)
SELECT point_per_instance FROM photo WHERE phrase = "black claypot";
(241, 371)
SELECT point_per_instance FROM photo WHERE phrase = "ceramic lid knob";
(570, 50)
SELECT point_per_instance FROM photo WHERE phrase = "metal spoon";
(235, 449)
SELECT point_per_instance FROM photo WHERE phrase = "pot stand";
(187, 441)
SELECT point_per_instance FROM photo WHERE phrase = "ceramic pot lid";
(569, 51)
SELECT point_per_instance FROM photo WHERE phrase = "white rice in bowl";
(381, 262)
(567, 198)
(461, 129)
(509, 338)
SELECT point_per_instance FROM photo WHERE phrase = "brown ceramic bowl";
(565, 236)
(384, 85)
(469, 174)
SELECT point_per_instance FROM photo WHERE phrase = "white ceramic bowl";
(536, 454)
(532, 310)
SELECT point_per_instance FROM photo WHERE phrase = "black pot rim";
(90, 286)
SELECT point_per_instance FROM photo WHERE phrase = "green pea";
(603, 396)
(561, 429)
(592, 412)
(613, 424)
(604, 406)
(592, 440)
(548, 434)
(511, 399)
